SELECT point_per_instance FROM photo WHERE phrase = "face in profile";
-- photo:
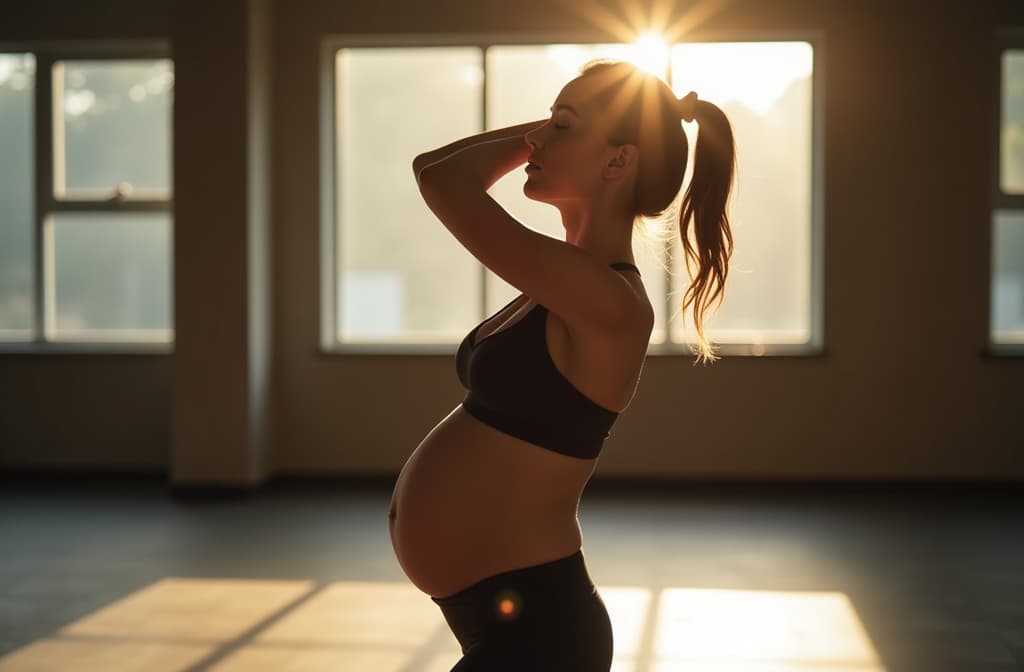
(570, 150)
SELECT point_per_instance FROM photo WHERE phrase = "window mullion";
(817, 237)
(330, 195)
(1004, 201)
(44, 172)
(109, 205)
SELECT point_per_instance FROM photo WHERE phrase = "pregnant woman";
(484, 513)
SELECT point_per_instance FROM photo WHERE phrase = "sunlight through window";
(756, 74)
(387, 294)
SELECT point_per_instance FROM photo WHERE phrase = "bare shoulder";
(630, 334)
(645, 309)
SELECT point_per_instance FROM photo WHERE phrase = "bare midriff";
(472, 501)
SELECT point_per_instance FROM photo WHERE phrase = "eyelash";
(557, 126)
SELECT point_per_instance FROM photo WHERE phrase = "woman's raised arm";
(425, 159)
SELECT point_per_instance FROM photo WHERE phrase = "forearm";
(485, 156)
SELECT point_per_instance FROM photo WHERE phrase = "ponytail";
(664, 152)
(705, 203)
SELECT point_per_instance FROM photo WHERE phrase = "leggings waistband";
(561, 574)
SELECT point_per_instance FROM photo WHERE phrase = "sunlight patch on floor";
(235, 625)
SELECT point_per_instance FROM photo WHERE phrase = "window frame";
(329, 343)
(46, 204)
(1005, 39)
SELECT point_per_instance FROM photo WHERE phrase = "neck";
(605, 233)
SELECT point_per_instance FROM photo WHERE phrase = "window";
(399, 278)
(17, 88)
(1007, 298)
(85, 234)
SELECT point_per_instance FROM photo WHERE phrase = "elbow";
(419, 164)
(430, 173)
(426, 181)
(430, 169)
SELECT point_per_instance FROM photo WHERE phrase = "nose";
(531, 139)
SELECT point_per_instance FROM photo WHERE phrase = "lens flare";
(508, 605)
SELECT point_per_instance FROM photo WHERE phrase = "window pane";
(765, 89)
(113, 276)
(116, 127)
(1008, 278)
(1012, 135)
(522, 84)
(401, 273)
(17, 242)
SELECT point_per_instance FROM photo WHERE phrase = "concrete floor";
(125, 575)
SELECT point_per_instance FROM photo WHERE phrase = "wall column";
(221, 420)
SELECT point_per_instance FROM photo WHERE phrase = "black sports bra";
(515, 387)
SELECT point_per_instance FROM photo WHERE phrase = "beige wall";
(902, 390)
(222, 419)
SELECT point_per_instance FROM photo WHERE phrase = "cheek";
(572, 162)
(579, 158)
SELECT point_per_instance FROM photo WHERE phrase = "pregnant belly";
(471, 502)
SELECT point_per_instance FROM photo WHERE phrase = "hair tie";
(688, 106)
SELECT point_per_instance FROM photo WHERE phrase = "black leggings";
(538, 618)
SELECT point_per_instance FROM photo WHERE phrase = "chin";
(531, 192)
(535, 193)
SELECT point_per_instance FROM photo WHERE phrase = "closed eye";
(557, 126)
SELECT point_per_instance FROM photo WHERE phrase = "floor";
(127, 575)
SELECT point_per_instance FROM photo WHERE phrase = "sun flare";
(650, 53)
(672, 45)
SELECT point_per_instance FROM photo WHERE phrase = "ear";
(621, 162)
